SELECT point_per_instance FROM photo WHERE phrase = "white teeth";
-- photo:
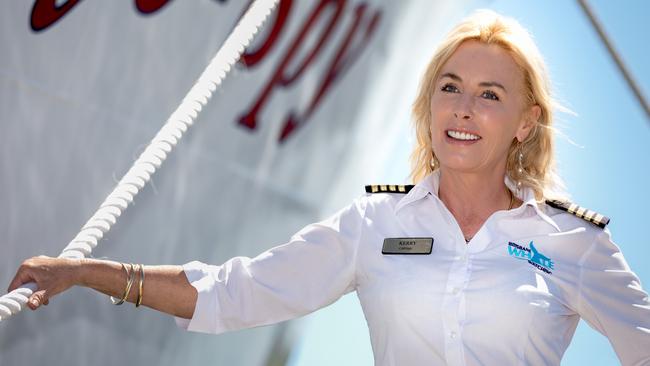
(462, 135)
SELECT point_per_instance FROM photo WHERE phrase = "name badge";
(407, 246)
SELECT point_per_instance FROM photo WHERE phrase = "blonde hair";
(488, 27)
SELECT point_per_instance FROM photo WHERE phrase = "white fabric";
(476, 304)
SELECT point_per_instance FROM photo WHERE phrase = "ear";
(530, 119)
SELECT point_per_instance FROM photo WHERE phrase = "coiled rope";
(155, 154)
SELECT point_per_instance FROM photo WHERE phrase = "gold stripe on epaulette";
(581, 212)
(388, 188)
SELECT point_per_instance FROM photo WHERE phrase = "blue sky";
(602, 156)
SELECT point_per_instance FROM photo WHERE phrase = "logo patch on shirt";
(532, 255)
(407, 246)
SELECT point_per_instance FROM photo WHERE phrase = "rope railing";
(156, 152)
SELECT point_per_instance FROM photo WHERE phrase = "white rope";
(156, 153)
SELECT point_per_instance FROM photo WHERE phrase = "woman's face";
(477, 109)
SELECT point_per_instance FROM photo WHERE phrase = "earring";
(520, 168)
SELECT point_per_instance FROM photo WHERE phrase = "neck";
(473, 197)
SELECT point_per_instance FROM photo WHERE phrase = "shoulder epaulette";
(389, 188)
(581, 212)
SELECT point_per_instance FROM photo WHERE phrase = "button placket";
(452, 313)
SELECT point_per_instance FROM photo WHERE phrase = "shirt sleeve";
(613, 302)
(312, 270)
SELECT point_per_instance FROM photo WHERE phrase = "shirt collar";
(428, 185)
(431, 183)
(527, 196)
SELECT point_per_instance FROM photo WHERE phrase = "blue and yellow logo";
(532, 255)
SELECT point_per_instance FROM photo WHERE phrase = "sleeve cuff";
(203, 278)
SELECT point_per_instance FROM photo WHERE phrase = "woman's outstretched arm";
(165, 288)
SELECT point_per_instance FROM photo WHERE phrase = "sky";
(602, 154)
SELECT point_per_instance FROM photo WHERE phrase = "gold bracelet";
(129, 283)
(141, 287)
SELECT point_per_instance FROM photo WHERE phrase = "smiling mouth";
(462, 136)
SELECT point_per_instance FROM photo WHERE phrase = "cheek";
(499, 122)
(438, 106)
(437, 119)
(436, 133)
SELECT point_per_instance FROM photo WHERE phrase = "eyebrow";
(488, 84)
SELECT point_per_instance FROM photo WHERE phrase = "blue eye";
(489, 94)
(449, 88)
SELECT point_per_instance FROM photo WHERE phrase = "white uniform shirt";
(512, 296)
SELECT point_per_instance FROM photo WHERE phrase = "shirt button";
(452, 335)
(455, 290)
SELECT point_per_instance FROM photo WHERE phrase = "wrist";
(80, 271)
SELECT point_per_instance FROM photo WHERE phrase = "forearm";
(165, 288)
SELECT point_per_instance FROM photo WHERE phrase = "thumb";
(37, 299)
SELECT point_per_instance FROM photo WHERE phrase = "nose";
(464, 108)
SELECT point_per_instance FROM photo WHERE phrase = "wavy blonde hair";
(538, 163)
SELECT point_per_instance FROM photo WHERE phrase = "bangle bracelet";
(114, 300)
(129, 283)
(141, 286)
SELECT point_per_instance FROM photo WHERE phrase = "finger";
(47, 302)
(21, 278)
(37, 299)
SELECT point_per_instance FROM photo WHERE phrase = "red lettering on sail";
(251, 58)
(150, 6)
(281, 77)
(46, 13)
(344, 58)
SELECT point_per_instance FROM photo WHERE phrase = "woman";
(472, 265)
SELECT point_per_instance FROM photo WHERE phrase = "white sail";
(84, 86)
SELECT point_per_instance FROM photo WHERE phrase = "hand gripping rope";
(154, 155)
